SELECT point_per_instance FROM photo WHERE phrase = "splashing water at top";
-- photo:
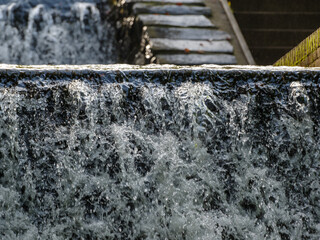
(56, 32)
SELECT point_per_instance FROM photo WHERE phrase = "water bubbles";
(298, 97)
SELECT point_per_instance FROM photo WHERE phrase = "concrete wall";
(273, 27)
(306, 54)
(23, 76)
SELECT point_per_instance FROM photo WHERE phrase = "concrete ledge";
(243, 44)
(22, 77)
(13, 68)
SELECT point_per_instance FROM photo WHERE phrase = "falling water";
(160, 155)
(56, 32)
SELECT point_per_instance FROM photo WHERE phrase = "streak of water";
(50, 32)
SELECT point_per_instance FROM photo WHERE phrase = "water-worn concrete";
(13, 75)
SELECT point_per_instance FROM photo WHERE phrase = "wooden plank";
(179, 2)
(176, 21)
(187, 33)
(162, 44)
(196, 59)
(139, 8)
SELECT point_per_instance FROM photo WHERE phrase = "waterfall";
(56, 32)
(159, 154)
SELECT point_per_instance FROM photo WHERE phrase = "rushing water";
(233, 156)
(56, 32)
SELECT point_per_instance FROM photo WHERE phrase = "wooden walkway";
(179, 32)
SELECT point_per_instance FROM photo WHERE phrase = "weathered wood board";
(139, 8)
(187, 33)
(196, 59)
(178, 2)
(177, 21)
(162, 44)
